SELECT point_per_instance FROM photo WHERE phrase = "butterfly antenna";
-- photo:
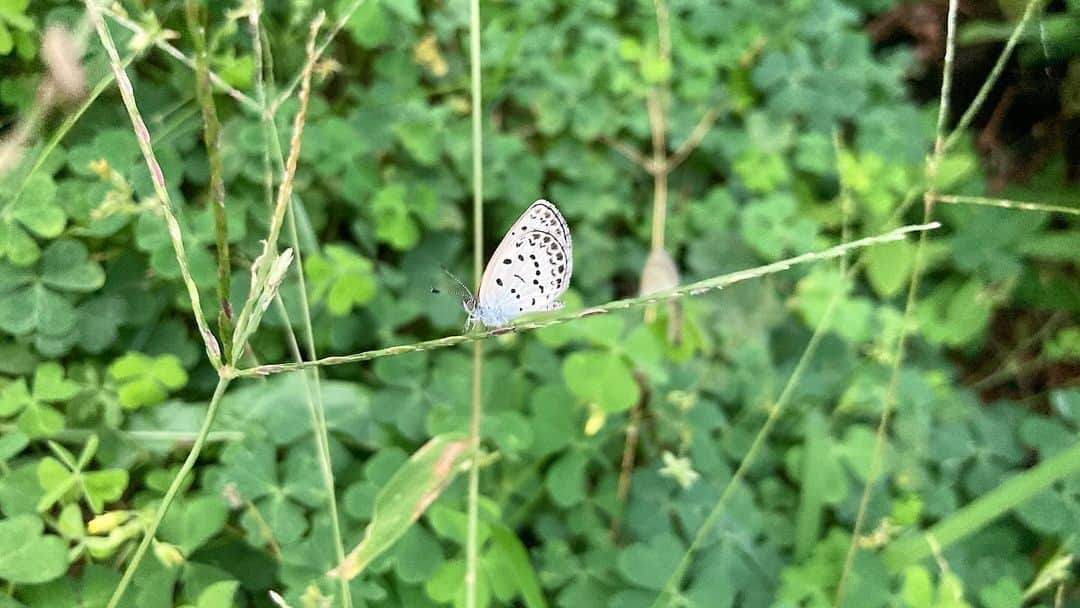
(466, 290)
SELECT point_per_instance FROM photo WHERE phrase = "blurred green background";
(808, 122)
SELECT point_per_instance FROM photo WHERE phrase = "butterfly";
(528, 272)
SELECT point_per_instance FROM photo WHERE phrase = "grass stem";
(212, 140)
(142, 134)
(170, 493)
(693, 289)
(476, 409)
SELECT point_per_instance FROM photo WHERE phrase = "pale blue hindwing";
(529, 270)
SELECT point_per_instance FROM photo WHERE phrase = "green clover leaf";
(37, 300)
(26, 555)
(145, 380)
(36, 417)
(341, 278)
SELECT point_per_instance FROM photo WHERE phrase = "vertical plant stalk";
(476, 409)
(142, 134)
(170, 494)
(654, 101)
(212, 140)
(892, 393)
(312, 381)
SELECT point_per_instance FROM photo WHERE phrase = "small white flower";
(680, 469)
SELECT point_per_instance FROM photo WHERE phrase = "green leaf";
(40, 420)
(512, 556)
(11, 444)
(408, 10)
(16, 244)
(405, 497)
(56, 480)
(393, 224)
(956, 313)
(650, 564)
(195, 521)
(565, 480)
(1005, 593)
(99, 321)
(368, 24)
(145, 380)
(918, 588)
(889, 265)
(36, 207)
(341, 278)
(26, 555)
(218, 595)
(603, 378)
(66, 265)
(772, 227)
(50, 384)
(104, 487)
(14, 397)
(654, 69)
(418, 555)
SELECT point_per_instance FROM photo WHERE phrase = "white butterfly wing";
(530, 268)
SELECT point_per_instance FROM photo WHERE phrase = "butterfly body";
(529, 270)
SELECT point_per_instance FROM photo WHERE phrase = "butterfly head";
(468, 302)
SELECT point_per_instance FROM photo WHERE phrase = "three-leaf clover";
(36, 417)
(26, 555)
(32, 210)
(62, 478)
(342, 278)
(36, 299)
(145, 380)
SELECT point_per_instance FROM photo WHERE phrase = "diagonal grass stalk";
(69, 122)
(988, 507)
(1003, 203)
(693, 289)
(670, 589)
(142, 134)
(1033, 6)
(170, 493)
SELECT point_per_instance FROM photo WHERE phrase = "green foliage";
(36, 416)
(606, 441)
(341, 278)
(144, 380)
(27, 555)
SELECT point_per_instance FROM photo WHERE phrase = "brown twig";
(627, 151)
(626, 468)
